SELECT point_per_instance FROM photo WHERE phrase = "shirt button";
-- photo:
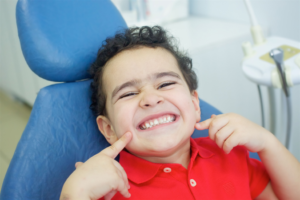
(167, 170)
(193, 183)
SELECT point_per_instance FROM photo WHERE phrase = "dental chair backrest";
(60, 40)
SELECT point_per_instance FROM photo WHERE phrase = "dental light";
(272, 62)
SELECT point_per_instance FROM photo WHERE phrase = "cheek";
(187, 107)
(185, 102)
(123, 119)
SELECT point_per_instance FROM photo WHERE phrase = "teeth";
(155, 122)
(165, 119)
(147, 125)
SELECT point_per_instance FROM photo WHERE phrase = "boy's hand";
(230, 130)
(100, 176)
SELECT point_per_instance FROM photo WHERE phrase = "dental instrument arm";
(256, 30)
(251, 13)
(277, 56)
(261, 106)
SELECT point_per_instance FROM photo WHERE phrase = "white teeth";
(155, 122)
(147, 125)
(165, 119)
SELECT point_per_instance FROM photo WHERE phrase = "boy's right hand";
(100, 176)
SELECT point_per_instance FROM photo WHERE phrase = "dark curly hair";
(132, 38)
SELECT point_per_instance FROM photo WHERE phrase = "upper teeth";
(155, 122)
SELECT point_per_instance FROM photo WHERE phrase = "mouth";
(164, 119)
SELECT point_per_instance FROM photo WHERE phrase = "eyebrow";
(135, 82)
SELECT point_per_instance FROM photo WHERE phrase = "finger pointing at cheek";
(203, 125)
(113, 150)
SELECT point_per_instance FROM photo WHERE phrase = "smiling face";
(147, 95)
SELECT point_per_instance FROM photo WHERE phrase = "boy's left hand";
(230, 130)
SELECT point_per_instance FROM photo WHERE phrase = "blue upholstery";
(61, 131)
(59, 40)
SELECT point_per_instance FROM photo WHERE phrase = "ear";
(105, 127)
(195, 101)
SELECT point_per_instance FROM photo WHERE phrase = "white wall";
(280, 18)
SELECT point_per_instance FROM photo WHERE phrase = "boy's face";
(148, 96)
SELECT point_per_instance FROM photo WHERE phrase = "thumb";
(203, 125)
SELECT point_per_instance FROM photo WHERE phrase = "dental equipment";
(273, 62)
(277, 55)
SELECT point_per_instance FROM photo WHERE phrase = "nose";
(151, 99)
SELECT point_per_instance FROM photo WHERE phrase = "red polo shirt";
(211, 175)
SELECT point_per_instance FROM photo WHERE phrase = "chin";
(166, 146)
(153, 149)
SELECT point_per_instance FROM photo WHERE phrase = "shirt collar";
(197, 147)
(139, 170)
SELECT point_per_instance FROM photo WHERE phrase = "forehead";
(137, 63)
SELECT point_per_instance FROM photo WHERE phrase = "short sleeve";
(258, 177)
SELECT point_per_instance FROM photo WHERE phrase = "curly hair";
(132, 38)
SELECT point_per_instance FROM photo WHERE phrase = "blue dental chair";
(59, 40)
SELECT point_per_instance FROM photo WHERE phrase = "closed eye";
(166, 84)
(127, 95)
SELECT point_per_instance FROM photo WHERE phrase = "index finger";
(203, 125)
(113, 150)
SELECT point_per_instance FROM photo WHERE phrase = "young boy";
(144, 94)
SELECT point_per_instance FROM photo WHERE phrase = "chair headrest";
(60, 39)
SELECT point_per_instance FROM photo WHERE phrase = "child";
(144, 94)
